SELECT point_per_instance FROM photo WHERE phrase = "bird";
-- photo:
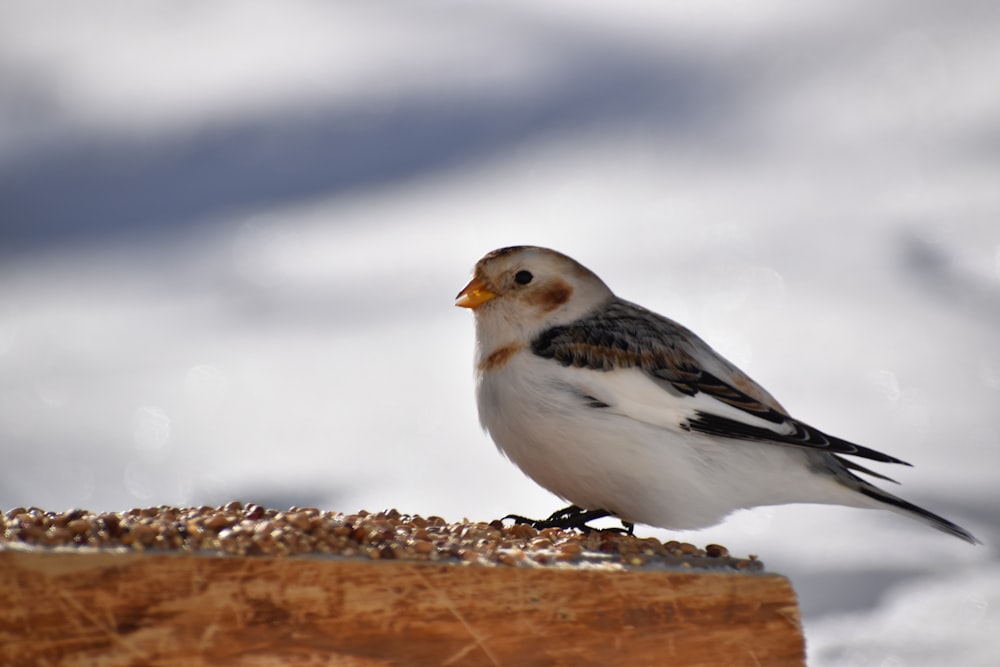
(623, 412)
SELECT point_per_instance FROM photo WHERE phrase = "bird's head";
(519, 291)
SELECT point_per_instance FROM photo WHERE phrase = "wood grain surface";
(130, 609)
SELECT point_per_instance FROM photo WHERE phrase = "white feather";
(631, 393)
(633, 458)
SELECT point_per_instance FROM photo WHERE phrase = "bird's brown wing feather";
(624, 335)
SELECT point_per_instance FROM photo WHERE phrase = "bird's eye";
(523, 277)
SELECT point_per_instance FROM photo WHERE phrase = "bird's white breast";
(633, 457)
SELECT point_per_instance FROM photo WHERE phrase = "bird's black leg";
(569, 517)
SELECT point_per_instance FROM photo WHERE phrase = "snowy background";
(231, 234)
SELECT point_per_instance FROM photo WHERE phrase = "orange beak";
(474, 294)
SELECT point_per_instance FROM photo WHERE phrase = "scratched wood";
(131, 609)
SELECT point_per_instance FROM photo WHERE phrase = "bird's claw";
(572, 517)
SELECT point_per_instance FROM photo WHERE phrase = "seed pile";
(252, 530)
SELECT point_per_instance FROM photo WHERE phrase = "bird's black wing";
(624, 335)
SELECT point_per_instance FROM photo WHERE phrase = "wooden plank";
(115, 609)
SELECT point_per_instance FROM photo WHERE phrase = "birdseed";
(253, 530)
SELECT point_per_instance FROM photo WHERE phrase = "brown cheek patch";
(499, 357)
(552, 296)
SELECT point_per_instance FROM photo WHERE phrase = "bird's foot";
(572, 517)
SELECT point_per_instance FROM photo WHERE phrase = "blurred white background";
(231, 233)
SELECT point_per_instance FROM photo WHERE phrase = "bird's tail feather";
(916, 512)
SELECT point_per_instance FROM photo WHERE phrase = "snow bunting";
(624, 412)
